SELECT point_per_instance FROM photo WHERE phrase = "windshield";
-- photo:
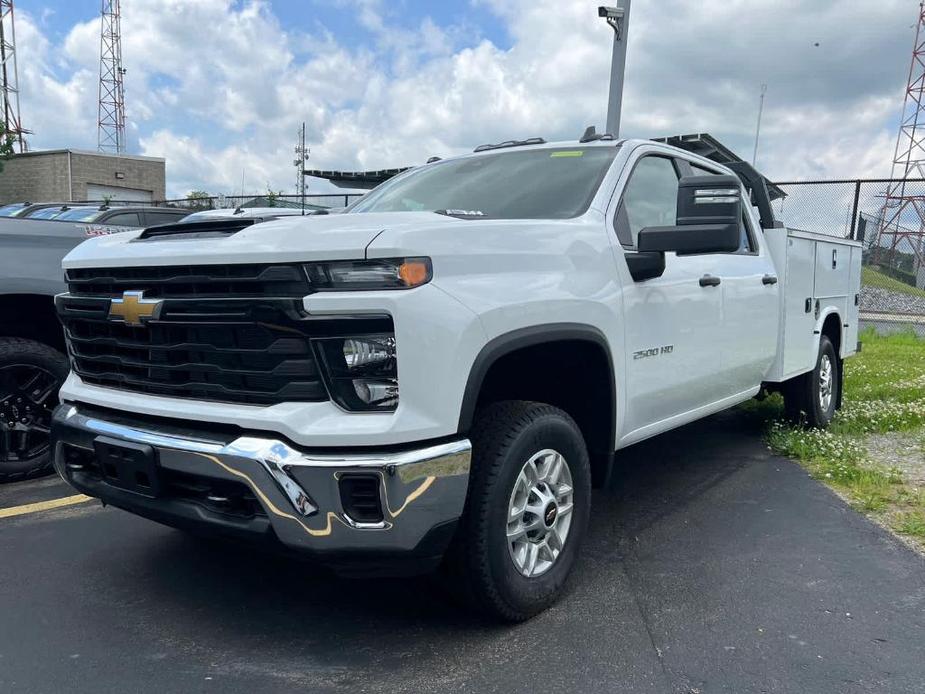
(45, 213)
(79, 214)
(10, 210)
(526, 184)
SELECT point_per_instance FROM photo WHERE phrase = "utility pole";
(618, 18)
(764, 90)
(111, 124)
(301, 152)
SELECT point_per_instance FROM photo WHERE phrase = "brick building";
(71, 174)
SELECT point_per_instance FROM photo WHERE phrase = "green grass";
(884, 393)
(875, 278)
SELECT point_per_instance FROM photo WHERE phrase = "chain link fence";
(218, 202)
(893, 240)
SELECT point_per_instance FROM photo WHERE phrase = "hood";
(284, 240)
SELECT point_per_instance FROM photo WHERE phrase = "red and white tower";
(9, 76)
(111, 133)
(902, 223)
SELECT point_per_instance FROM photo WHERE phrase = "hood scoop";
(197, 230)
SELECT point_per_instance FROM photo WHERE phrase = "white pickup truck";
(437, 376)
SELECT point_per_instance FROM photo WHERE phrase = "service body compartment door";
(854, 300)
(833, 265)
(799, 295)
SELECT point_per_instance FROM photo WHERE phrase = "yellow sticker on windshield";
(567, 153)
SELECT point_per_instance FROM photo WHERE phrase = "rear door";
(673, 323)
(751, 306)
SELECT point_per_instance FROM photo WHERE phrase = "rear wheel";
(30, 375)
(526, 513)
(812, 398)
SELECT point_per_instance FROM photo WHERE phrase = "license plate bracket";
(129, 466)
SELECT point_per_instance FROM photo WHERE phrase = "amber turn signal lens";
(414, 272)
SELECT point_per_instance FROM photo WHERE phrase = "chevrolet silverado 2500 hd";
(440, 373)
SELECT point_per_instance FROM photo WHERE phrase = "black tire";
(802, 396)
(479, 563)
(18, 359)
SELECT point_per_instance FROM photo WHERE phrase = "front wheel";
(526, 512)
(812, 398)
(30, 375)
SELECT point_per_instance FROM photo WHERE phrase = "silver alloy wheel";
(540, 513)
(826, 379)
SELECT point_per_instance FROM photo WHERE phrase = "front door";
(673, 323)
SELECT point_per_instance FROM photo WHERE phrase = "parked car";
(128, 216)
(438, 375)
(33, 361)
(46, 210)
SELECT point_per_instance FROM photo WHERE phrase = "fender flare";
(532, 336)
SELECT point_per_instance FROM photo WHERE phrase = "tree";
(199, 200)
(272, 196)
(7, 145)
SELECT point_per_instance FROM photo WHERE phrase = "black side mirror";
(688, 240)
(708, 219)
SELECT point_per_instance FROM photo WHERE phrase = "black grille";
(223, 333)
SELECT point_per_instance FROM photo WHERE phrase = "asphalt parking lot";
(711, 566)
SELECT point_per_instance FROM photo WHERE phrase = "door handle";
(709, 281)
(769, 279)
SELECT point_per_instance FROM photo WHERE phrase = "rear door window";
(127, 219)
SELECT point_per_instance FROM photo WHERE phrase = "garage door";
(117, 194)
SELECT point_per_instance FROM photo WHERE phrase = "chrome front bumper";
(421, 491)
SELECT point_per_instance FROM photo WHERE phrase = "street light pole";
(618, 18)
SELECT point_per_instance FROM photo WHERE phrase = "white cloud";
(218, 86)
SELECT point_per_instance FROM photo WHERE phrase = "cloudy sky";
(220, 87)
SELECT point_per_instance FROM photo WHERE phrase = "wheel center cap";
(549, 515)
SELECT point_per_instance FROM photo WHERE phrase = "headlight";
(391, 273)
(362, 372)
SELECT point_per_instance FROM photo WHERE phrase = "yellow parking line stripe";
(43, 505)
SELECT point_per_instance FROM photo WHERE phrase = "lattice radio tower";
(10, 77)
(903, 214)
(111, 132)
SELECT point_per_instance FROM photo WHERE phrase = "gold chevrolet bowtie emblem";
(134, 309)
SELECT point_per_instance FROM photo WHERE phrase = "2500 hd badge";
(654, 352)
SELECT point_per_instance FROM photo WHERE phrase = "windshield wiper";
(511, 143)
(461, 214)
